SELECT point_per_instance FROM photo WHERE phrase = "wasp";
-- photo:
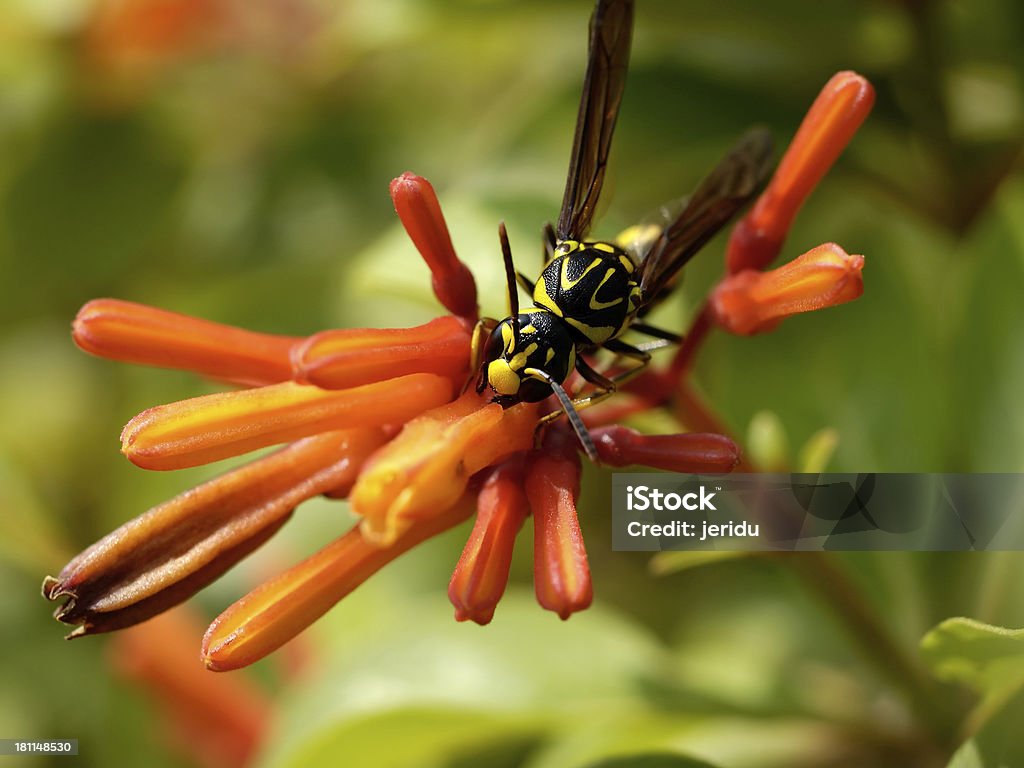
(590, 292)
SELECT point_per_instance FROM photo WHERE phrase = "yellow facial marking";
(502, 378)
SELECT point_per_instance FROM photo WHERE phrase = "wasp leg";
(483, 329)
(570, 413)
(592, 375)
(606, 388)
(658, 333)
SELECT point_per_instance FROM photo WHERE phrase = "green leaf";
(417, 737)
(968, 756)
(522, 672)
(988, 659)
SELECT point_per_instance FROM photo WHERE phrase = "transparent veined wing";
(722, 193)
(611, 32)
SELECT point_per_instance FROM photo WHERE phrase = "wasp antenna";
(510, 280)
(570, 413)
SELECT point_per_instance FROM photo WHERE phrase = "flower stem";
(692, 341)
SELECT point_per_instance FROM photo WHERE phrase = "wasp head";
(519, 366)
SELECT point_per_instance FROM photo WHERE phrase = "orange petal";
(347, 358)
(135, 333)
(692, 452)
(218, 720)
(751, 301)
(175, 549)
(561, 574)
(275, 612)
(429, 464)
(833, 119)
(420, 213)
(481, 576)
(212, 427)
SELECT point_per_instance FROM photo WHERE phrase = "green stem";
(926, 697)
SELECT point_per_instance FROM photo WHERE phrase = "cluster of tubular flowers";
(380, 417)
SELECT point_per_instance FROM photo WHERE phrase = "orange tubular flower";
(833, 119)
(213, 427)
(340, 359)
(481, 575)
(135, 333)
(561, 574)
(418, 208)
(272, 614)
(428, 466)
(750, 301)
(175, 549)
(375, 412)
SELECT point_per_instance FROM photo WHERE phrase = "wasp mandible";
(591, 291)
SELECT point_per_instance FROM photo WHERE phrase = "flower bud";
(420, 213)
(831, 122)
(136, 333)
(752, 302)
(481, 575)
(561, 574)
(340, 359)
(278, 610)
(691, 452)
(204, 429)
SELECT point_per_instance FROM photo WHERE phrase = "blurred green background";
(231, 160)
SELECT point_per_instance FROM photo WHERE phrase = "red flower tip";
(481, 575)
(752, 302)
(561, 574)
(692, 452)
(420, 213)
(831, 122)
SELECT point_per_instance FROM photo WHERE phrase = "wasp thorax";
(519, 366)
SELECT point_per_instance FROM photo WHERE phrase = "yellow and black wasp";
(590, 292)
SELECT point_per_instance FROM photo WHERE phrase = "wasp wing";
(721, 194)
(611, 30)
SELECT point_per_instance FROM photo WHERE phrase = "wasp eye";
(495, 346)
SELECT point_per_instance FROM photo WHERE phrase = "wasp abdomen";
(591, 286)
